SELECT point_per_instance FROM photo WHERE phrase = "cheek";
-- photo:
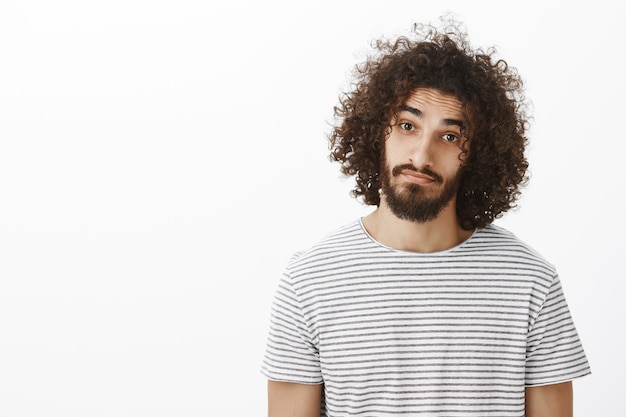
(393, 152)
(452, 163)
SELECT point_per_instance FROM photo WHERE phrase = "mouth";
(417, 177)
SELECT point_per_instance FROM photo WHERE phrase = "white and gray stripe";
(454, 333)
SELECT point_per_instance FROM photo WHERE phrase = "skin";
(556, 400)
(427, 136)
(426, 141)
(286, 399)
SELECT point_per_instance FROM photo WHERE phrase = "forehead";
(430, 98)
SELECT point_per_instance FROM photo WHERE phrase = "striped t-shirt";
(388, 332)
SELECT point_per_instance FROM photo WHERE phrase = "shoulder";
(502, 245)
(343, 238)
(348, 246)
(498, 238)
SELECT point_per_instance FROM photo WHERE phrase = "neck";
(436, 235)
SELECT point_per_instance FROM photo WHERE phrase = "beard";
(415, 202)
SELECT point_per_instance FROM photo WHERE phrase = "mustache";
(397, 170)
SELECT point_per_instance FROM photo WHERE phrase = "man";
(424, 307)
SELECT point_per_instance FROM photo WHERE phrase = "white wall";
(160, 160)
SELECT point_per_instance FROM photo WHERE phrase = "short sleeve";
(291, 354)
(554, 351)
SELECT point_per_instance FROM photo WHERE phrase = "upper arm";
(288, 399)
(554, 400)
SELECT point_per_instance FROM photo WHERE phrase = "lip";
(417, 178)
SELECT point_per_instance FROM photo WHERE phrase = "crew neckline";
(390, 248)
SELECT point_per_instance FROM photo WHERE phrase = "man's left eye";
(450, 137)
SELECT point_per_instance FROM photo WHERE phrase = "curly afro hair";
(493, 101)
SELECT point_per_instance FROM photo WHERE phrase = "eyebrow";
(419, 114)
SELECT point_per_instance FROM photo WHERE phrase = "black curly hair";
(492, 96)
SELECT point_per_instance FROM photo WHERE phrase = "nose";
(422, 151)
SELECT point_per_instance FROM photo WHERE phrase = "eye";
(406, 126)
(449, 137)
